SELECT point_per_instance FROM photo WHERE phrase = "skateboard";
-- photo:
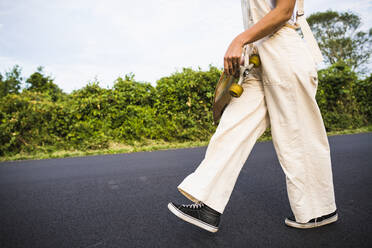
(229, 86)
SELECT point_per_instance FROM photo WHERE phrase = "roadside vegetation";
(41, 121)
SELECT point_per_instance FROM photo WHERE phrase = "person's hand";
(233, 57)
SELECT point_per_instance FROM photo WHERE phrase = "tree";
(41, 83)
(340, 39)
(12, 81)
(132, 92)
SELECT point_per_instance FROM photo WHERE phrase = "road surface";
(121, 201)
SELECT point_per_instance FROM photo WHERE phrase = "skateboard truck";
(236, 89)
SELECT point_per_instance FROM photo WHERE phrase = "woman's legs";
(285, 100)
(302, 148)
(299, 137)
(242, 123)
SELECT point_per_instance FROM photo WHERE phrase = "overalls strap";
(306, 31)
(300, 8)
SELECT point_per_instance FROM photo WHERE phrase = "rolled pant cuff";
(193, 196)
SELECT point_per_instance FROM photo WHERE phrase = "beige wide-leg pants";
(281, 95)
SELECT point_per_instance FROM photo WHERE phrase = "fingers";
(231, 64)
(226, 65)
(236, 64)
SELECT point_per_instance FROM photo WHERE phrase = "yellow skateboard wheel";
(236, 90)
(255, 59)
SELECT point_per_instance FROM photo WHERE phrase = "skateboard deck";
(222, 96)
(223, 93)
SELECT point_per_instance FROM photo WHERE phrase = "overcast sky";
(77, 41)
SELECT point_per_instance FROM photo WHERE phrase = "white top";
(272, 4)
(299, 20)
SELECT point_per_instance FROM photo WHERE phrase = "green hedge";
(343, 99)
(177, 109)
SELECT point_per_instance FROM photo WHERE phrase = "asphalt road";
(121, 201)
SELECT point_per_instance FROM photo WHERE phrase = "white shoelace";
(194, 206)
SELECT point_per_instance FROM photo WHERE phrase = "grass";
(148, 146)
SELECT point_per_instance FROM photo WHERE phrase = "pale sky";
(77, 41)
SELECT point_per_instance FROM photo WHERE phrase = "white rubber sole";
(311, 225)
(191, 219)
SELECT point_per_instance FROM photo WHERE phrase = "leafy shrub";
(179, 108)
(363, 95)
(337, 100)
(30, 121)
(186, 99)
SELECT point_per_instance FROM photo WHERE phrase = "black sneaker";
(198, 214)
(320, 221)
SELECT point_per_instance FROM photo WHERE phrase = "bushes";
(186, 99)
(30, 121)
(363, 95)
(43, 118)
(342, 97)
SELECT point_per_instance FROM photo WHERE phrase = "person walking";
(280, 94)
